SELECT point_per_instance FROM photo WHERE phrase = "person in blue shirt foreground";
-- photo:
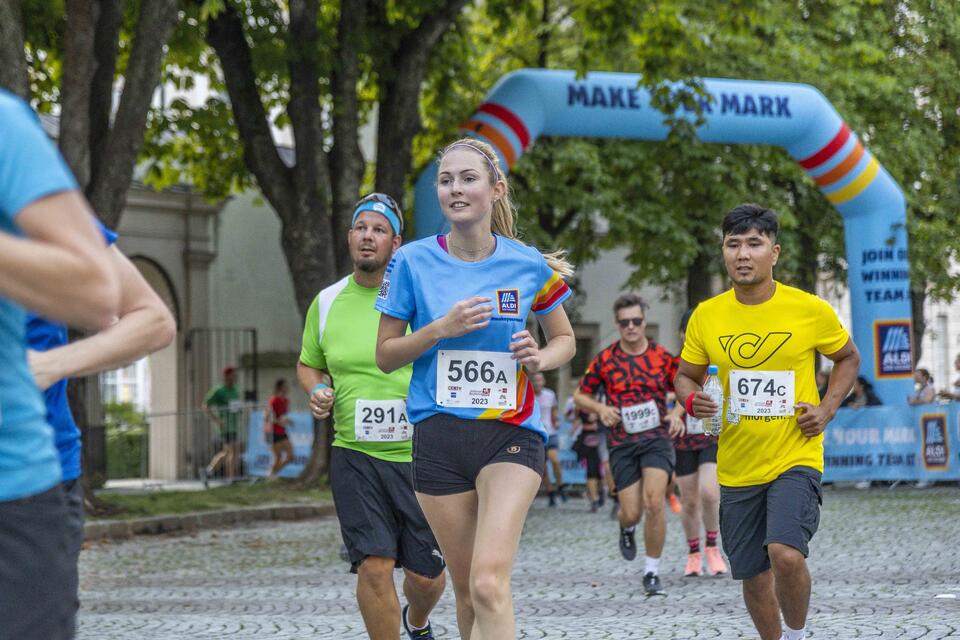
(52, 260)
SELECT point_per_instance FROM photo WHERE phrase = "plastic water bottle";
(712, 387)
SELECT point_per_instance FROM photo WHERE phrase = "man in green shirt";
(370, 468)
(225, 398)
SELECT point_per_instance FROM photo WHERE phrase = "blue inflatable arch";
(529, 103)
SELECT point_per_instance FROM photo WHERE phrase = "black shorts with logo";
(628, 460)
(689, 460)
(449, 452)
(785, 511)
(379, 514)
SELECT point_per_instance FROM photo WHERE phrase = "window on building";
(129, 384)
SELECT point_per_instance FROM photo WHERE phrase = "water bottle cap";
(713, 370)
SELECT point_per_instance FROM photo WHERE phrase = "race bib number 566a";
(476, 380)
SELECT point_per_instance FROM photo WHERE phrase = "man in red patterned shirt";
(636, 375)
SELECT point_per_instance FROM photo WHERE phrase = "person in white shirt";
(549, 418)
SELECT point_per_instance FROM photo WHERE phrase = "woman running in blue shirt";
(478, 443)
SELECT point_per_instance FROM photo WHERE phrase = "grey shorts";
(450, 452)
(379, 514)
(73, 496)
(785, 511)
(37, 600)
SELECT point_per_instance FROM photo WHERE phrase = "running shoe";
(594, 506)
(561, 489)
(694, 565)
(652, 585)
(675, 505)
(628, 545)
(552, 499)
(715, 564)
(205, 477)
(420, 634)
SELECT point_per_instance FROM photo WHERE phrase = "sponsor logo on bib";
(508, 302)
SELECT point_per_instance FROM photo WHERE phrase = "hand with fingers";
(526, 350)
(321, 402)
(466, 316)
(813, 419)
(676, 426)
(610, 416)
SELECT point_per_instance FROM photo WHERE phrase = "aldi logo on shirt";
(892, 345)
(508, 302)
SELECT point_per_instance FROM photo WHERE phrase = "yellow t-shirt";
(778, 335)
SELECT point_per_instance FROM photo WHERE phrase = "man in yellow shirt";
(763, 336)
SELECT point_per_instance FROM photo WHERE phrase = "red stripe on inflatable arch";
(510, 119)
(831, 148)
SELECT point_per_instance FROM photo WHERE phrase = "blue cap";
(383, 209)
(713, 370)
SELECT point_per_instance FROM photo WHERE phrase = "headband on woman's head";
(493, 167)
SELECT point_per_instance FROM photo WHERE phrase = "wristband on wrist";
(688, 404)
(318, 387)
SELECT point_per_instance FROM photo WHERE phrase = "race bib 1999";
(762, 393)
(640, 417)
(381, 421)
(476, 380)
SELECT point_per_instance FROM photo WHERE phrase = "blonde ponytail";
(504, 215)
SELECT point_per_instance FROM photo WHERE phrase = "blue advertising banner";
(573, 471)
(893, 443)
(258, 457)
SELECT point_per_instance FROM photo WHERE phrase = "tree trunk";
(106, 42)
(75, 89)
(699, 280)
(13, 64)
(917, 299)
(112, 171)
(400, 104)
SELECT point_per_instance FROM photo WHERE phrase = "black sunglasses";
(626, 322)
(383, 199)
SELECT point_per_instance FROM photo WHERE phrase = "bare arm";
(207, 409)
(60, 270)
(321, 400)
(396, 348)
(145, 325)
(846, 365)
(686, 382)
(560, 348)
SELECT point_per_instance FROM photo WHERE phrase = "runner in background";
(478, 441)
(381, 523)
(697, 479)
(763, 336)
(549, 418)
(53, 261)
(635, 376)
(276, 422)
(222, 406)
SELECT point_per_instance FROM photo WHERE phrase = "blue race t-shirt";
(43, 335)
(30, 169)
(420, 285)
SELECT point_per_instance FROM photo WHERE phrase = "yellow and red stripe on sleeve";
(555, 291)
(525, 398)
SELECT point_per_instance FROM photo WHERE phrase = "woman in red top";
(276, 423)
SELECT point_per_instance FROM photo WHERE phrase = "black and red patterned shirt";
(628, 380)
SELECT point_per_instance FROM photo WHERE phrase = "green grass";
(159, 503)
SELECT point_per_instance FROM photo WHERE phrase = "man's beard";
(370, 265)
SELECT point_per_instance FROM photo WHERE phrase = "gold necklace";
(475, 254)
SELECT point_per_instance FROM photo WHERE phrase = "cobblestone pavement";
(879, 563)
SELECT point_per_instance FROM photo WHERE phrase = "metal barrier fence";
(172, 446)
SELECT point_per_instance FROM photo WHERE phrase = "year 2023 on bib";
(476, 380)
(762, 393)
(381, 421)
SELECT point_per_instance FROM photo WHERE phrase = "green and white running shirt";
(340, 337)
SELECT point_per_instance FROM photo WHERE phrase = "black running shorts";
(379, 514)
(785, 511)
(450, 452)
(628, 460)
(689, 460)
